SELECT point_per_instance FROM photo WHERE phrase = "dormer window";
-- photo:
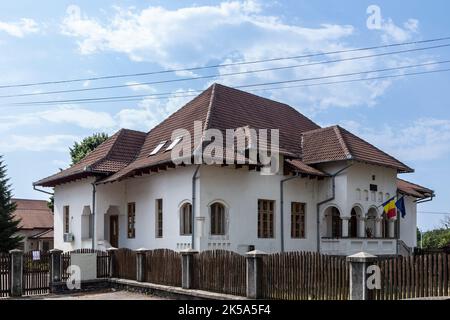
(174, 143)
(157, 148)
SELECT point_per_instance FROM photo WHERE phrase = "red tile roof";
(414, 190)
(34, 214)
(297, 165)
(337, 144)
(109, 157)
(127, 152)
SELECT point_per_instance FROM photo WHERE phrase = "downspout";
(282, 208)
(194, 178)
(333, 181)
(94, 191)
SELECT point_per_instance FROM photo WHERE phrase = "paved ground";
(109, 295)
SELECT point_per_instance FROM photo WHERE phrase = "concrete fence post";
(141, 267)
(254, 273)
(112, 259)
(16, 272)
(187, 268)
(359, 289)
(56, 265)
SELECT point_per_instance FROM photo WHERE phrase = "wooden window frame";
(298, 220)
(186, 222)
(217, 219)
(66, 219)
(131, 220)
(266, 219)
(159, 218)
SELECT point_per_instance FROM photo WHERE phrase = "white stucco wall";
(76, 195)
(238, 189)
(408, 224)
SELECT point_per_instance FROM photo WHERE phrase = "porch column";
(378, 222)
(345, 221)
(362, 227)
(391, 226)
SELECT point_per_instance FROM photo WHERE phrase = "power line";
(434, 212)
(221, 65)
(190, 93)
(220, 75)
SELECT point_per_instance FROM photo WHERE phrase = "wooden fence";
(220, 271)
(163, 266)
(5, 266)
(102, 262)
(305, 276)
(125, 264)
(36, 273)
(414, 277)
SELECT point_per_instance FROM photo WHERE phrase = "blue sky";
(53, 40)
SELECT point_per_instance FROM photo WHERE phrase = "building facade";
(326, 194)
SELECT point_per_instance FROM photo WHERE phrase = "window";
(380, 196)
(297, 220)
(159, 218)
(174, 143)
(366, 195)
(373, 196)
(217, 219)
(388, 196)
(45, 246)
(358, 194)
(66, 218)
(186, 219)
(131, 220)
(157, 148)
(265, 218)
(336, 223)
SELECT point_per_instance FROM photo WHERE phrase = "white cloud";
(21, 28)
(78, 116)
(423, 139)
(150, 112)
(236, 31)
(394, 33)
(57, 142)
(74, 115)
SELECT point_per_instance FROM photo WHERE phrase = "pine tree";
(8, 226)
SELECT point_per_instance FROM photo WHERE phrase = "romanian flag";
(389, 208)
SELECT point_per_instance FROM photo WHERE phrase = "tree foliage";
(437, 238)
(81, 149)
(9, 239)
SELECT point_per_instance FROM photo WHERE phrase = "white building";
(326, 195)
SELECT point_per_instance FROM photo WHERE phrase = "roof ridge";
(119, 134)
(387, 154)
(210, 105)
(341, 139)
(318, 130)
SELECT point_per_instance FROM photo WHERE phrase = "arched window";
(353, 226)
(186, 219)
(366, 195)
(336, 224)
(217, 219)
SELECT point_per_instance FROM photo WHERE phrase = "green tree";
(438, 238)
(9, 239)
(80, 150)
